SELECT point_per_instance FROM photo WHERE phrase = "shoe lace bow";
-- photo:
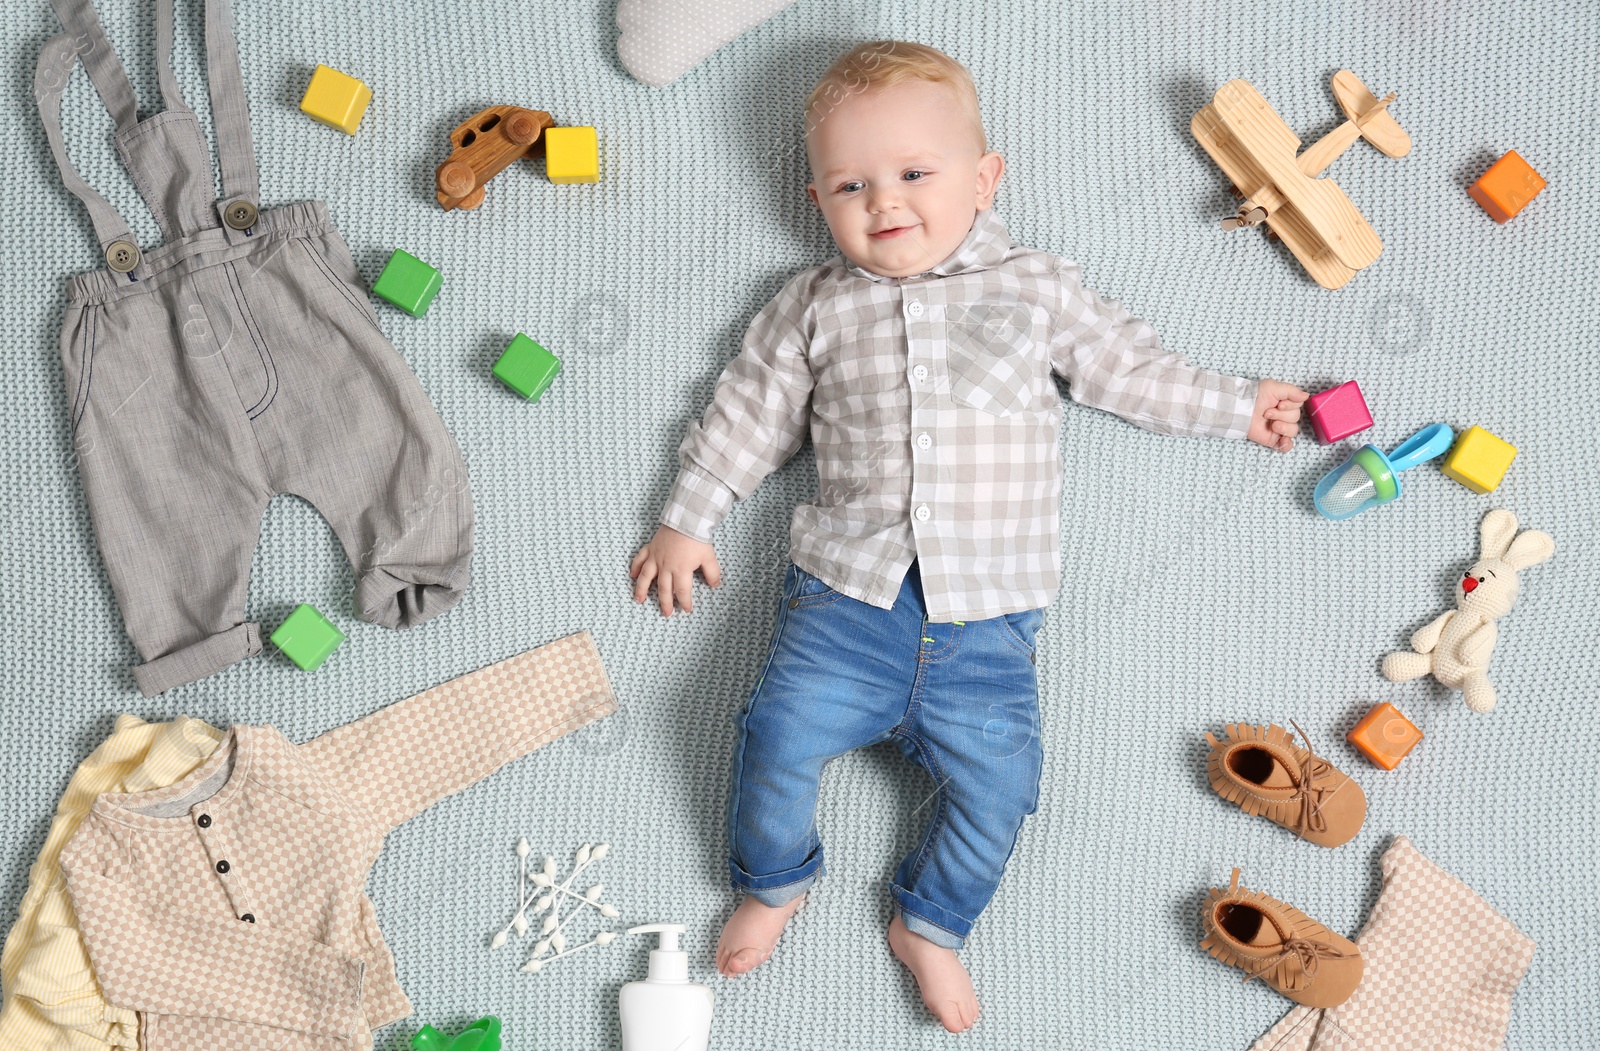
(1309, 953)
(1312, 796)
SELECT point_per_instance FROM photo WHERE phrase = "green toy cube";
(408, 283)
(527, 368)
(307, 637)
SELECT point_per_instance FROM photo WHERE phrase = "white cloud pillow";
(662, 39)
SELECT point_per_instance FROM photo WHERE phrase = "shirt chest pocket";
(991, 357)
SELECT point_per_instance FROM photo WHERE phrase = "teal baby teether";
(1369, 478)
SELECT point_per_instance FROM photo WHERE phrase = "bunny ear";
(1495, 534)
(1529, 549)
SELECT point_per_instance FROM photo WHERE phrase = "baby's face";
(899, 175)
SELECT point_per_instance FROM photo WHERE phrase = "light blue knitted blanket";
(1200, 588)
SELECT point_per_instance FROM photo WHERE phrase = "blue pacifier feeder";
(1370, 478)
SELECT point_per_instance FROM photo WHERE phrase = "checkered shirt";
(228, 909)
(935, 419)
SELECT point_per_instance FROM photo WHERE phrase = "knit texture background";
(1200, 587)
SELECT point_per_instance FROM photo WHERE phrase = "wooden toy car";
(484, 145)
(1255, 148)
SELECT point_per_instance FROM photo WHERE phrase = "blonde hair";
(884, 63)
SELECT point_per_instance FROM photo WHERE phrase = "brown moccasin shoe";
(1281, 945)
(1265, 772)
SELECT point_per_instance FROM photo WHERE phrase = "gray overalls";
(238, 360)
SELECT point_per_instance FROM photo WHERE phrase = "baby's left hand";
(1276, 419)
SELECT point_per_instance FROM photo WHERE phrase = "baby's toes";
(958, 1015)
(743, 961)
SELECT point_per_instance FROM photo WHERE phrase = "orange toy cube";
(1509, 184)
(1384, 735)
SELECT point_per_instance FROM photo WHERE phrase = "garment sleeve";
(757, 417)
(1114, 361)
(150, 958)
(396, 763)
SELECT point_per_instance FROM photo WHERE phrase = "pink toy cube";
(1338, 412)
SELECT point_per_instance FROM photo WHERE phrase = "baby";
(921, 359)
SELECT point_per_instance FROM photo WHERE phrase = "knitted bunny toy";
(1456, 647)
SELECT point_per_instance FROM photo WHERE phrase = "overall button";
(922, 513)
(241, 215)
(223, 867)
(924, 441)
(204, 820)
(914, 308)
(122, 256)
(921, 372)
(248, 917)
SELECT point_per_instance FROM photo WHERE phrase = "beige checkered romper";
(228, 910)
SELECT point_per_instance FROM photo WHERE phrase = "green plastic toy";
(527, 368)
(482, 1035)
(408, 283)
(307, 637)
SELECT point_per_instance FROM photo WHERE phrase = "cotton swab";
(534, 965)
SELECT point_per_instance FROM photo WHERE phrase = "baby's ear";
(991, 166)
(1529, 549)
(1495, 534)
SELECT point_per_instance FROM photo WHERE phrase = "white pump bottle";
(666, 1011)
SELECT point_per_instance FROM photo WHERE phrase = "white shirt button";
(921, 372)
(922, 513)
(924, 440)
(914, 308)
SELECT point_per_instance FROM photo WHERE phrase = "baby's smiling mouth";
(893, 231)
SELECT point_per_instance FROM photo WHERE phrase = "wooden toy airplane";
(1256, 149)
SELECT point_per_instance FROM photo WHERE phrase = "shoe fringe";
(1281, 811)
(1287, 973)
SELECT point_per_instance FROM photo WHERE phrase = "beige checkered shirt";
(935, 418)
(228, 909)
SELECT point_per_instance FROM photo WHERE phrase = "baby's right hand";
(670, 559)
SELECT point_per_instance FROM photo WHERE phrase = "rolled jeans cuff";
(780, 888)
(921, 916)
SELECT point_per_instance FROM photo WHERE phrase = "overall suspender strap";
(50, 78)
(171, 94)
(99, 61)
(241, 182)
(85, 41)
(110, 79)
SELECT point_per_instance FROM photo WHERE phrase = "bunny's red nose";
(1467, 584)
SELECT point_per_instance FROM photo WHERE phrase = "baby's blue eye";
(849, 187)
(909, 175)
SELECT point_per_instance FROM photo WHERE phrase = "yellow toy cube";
(572, 155)
(1479, 460)
(336, 99)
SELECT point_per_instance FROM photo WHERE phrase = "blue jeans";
(960, 699)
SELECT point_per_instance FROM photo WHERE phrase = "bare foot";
(751, 934)
(946, 989)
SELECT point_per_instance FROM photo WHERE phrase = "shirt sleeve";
(1114, 361)
(160, 960)
(396, 763)
(757, 417)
